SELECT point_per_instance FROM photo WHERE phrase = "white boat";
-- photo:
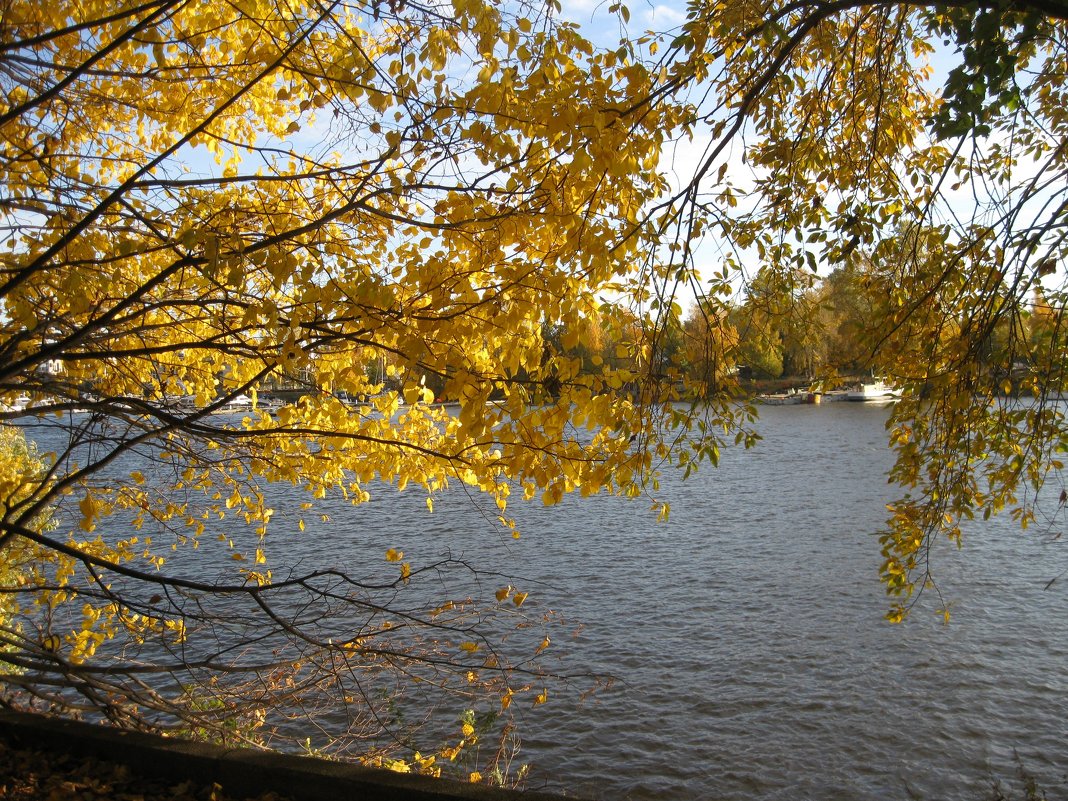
(876, 392)
(781, 398)
(21, 403)
(238, 403)
(835, 395)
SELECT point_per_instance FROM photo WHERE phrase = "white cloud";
(583, 11)
(662, 17)
(594, 18)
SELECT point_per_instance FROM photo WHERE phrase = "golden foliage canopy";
(370, 204)
(387, 204)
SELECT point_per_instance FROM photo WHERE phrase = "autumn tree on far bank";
(711, 348)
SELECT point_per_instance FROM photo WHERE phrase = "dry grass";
(33, 775)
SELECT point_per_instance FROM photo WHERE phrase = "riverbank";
(45, 758)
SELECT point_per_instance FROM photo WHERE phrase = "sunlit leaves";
(365, 214)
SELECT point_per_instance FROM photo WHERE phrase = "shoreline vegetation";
(44, 759)
(41, 769)
(751, 389)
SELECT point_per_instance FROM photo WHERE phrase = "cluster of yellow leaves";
(210, 197)
(33, 572)
(434, 229)
(518, 598)
(215, 199)
(431, 764)
(20, 472)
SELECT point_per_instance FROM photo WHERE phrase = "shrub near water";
(20, 469)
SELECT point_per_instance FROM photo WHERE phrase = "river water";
(745, 635)
(748, 637)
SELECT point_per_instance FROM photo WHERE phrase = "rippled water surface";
(746, 634)
(748, 638)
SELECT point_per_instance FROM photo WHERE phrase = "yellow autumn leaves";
(518, 598)
(365, 215)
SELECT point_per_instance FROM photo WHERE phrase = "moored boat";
(835, 395)
(875, 392)
(781, 398)
(19, 404)
(238, 403)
